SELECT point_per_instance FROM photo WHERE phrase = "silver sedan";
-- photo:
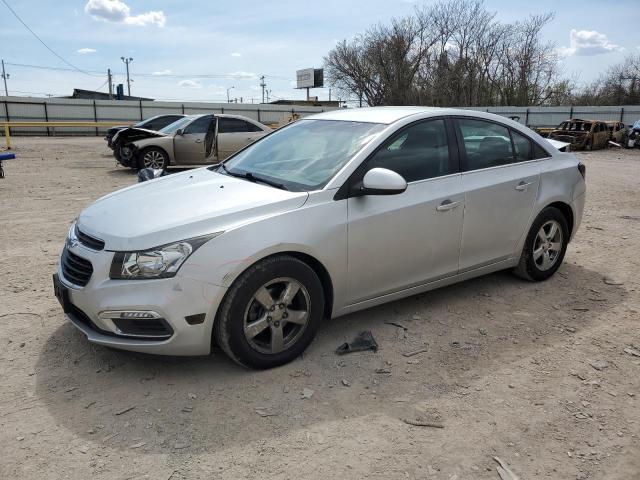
(332, 214)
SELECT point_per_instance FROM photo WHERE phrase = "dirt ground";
(535, 374)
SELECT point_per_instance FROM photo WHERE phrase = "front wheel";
(545, 246)
(153, 157)
(271, 313)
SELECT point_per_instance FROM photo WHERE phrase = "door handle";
(522, 186)
(447, 205)
(199, 140)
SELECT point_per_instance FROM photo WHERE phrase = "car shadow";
(117, 399)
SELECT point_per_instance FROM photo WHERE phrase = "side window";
(200, 125)
(486, 144)
(522, 147)
(252, 128)
(168, 120)
(233, 125)
(419, 152)
(539, 152)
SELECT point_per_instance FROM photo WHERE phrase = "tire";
(259, 347)
(153, 157)
(588, 146)
(534, 264)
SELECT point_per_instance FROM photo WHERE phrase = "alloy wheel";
(153, 159)
(277, 315)
(547, 245)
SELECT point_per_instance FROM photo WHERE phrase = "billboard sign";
(310, 78)
(305, 78)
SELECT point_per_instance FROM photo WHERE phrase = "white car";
(329, 215)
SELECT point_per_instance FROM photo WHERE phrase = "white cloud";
(189, 84)
(236, 54)
(84, 51)
(161, 72)
(242, 74)
(588, 42)
(117, 11)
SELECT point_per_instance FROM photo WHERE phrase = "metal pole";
(141, 116)
(4, 77)
(46, 117)
(262, 84)
(128, 81)
(126, 62)
(110, 84)
(95, 116)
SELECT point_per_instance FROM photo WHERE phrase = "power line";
(42, 41)
(154, 75)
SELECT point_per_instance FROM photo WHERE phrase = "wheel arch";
(316, 265)
(567, 211)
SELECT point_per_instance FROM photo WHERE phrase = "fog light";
(141, 314)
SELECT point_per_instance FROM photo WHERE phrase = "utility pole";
(126, 62)
(109, 81)
(268, 93)
(5, 75)
(263, 85)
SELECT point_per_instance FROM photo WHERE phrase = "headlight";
(159, 262)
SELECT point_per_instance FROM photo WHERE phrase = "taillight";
(583, 170)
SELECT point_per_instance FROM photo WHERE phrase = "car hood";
(131, 134)
(181, 206)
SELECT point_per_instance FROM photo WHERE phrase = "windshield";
(306, 154)
(172, 127)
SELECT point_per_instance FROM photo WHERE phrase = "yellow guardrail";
(9, 125)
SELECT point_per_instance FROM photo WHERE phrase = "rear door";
(190, 146)
(500, 182)
(399, 241)
(234, 134)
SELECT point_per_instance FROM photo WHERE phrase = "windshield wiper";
(253, 178)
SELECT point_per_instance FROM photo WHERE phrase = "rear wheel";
(271, 313)
(153, 157)
(545, 246)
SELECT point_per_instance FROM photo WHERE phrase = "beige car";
(191, 141)
(617, 132)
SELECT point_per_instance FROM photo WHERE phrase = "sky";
(197, 50)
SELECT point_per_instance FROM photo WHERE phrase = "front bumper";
(172, 298)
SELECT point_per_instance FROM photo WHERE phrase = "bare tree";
(452, 53)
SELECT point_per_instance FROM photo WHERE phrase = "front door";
(190, 147)
(399, 241)
(500, 181)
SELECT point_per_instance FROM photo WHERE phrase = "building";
(92, 95)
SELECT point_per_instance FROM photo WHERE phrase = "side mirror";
(382, 181)
(179, 132)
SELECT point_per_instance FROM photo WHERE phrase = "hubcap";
(547, 245)
(153, 159)
(277, 315)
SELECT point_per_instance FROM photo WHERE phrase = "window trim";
(347, 189)
(463, 152)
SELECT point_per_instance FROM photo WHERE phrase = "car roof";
(389, 115)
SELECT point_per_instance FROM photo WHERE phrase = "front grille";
(143, 327)
(89, 241)
(76, 269)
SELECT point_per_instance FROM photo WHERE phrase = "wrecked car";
(617, 132)
(154, 123)
(582, 134)
(192, 140)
